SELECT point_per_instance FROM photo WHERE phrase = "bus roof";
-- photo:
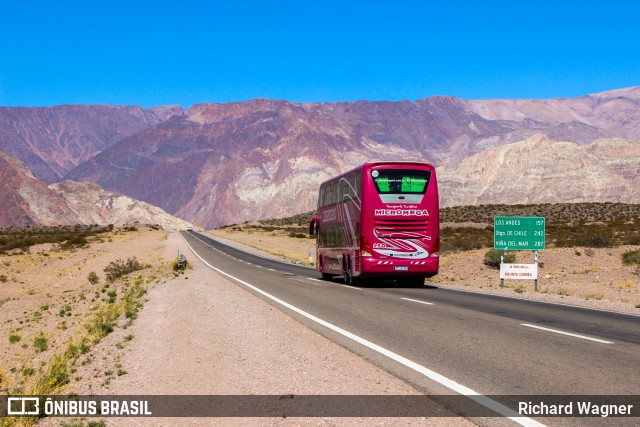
(369, 165)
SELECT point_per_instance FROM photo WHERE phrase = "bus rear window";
(400, 181)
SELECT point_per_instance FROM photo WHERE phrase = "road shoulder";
(200, 334)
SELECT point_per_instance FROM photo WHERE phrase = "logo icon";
(23, 406)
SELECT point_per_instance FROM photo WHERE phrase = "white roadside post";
(501, 262)
(535, 261)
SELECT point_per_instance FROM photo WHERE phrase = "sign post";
(501, 262)
(535, 260)
(519, 233)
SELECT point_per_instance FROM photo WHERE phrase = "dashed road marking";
(571, 334)
(415, 300)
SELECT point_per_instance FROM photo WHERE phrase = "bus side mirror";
(312, 227)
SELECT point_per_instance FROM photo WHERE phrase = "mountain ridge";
(53, 140)
(26, 201)
(262, 158)
(217, 163)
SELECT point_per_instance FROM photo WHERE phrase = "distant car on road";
(189, 228)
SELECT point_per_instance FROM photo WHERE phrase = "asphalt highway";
(452, 342)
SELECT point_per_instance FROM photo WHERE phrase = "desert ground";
(589, 277)
(156, 331)
(51, 313)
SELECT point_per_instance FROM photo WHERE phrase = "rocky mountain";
(53, 140)
(25, 200)
(225, 163)
(222, 163)
(539, 170)
(615, 113)
(94, 205)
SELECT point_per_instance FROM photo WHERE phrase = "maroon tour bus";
(379, 220)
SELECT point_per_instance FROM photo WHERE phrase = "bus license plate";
(402, 268)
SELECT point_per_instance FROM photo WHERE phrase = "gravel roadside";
(200, 334)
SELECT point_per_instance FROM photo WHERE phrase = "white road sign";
(519, 271)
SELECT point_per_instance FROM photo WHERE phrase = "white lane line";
(584, 337)
(432, 375)
(310, 283)
(351, 287)
(270, 269)
(415, 300)
(324, 283)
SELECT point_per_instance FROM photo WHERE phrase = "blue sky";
(185, 52)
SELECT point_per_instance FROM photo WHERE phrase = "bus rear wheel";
(349, 280)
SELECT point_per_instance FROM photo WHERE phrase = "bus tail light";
(435, 249)
(365, 247)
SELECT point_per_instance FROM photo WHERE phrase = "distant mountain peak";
(53, 140)
(629, 92)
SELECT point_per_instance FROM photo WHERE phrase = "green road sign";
(518, 233)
